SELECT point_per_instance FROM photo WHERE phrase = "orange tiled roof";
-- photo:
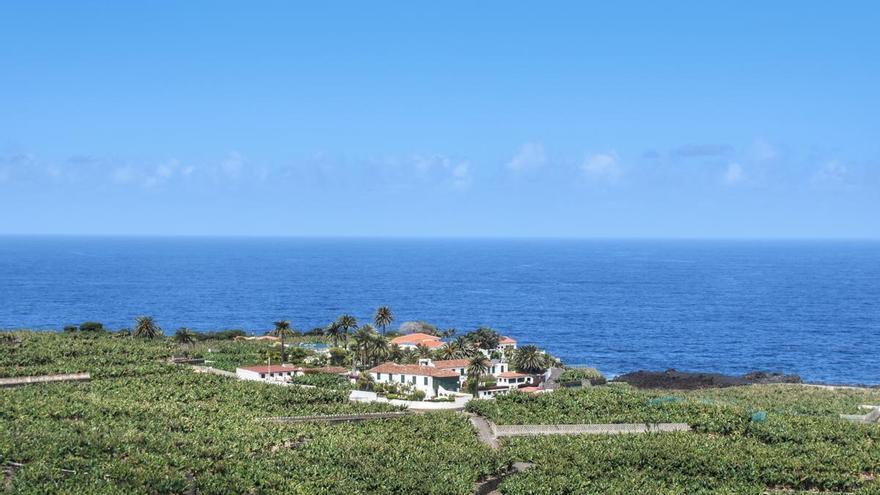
(413, 338)
(432, 344)
(506, 340)
(413, 369)
(512, 374)
(455, 363)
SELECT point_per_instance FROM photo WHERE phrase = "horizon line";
(435, 237)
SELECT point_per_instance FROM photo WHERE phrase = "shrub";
(91, 326)
(578, 374)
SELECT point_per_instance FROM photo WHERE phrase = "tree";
(530, 359)
(346, 323)
(445, 334)
(476, 368)
(145, 327)
(485, 338)
(282, 329)
(91, 326)
(423, 351)
(383, 317)
(365, 381)
(363, 343)
(379, 349)
(334, 331)
(458, 348)
(184, 337)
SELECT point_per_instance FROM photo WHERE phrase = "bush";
(70, 328)
(323, 380)
(91, 327)
(578, 374)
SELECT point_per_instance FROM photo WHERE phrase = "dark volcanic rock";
(682, 380)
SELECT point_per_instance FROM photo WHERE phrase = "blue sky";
(687, 119)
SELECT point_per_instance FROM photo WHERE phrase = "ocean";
(805, 307)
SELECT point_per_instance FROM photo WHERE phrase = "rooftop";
(413, 369)
(414, 338)
(275, 368)
(512, 374)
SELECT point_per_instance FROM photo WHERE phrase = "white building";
(494, 367)
(431, 380)
(268, 373)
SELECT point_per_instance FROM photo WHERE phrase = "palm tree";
(334, 331)
(476, 368)
(184, 337)
(346, 323)
(379, 349)
(485, 338)
(383, 317)
(145, 327)
(363, 342)
(445, 334)
(395, 353)
(282, 329)
(530, 359)
(423, 351)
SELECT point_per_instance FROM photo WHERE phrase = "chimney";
(425, 362)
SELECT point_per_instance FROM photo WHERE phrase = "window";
(493, 370)
(426, 380)
(262, 375)
(462, 372)
(402, 379)
(414, 380)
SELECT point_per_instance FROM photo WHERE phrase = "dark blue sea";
(805, 307)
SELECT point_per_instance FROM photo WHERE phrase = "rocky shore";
(682, 380)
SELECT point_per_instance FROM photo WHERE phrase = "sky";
(748, 119)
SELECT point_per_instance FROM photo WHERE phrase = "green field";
(144, 426)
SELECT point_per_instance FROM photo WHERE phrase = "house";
(268, 373)
(413, 340)
(495, 367)
(506, 344)
(513, 379)
(431, 380)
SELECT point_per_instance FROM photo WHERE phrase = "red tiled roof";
(452, 363)
(512, 374)
(413, 338)
(455, 363)
(506, 340)
(413, 369)
(432, 343)
(275, 368)
(529, 389)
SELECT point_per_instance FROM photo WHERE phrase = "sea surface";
(805, 307)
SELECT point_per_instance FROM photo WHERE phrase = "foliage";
(91, 326)
(801, 446)
(530, 359)
(383, 317)
(144, 426)
(578, 374)
(145, 327)
(323, 380)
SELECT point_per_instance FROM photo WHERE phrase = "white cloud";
(124, 174)
(529, 156)
(602, 166)
(734, 174)
(444, 169)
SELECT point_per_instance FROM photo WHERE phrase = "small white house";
(513, 379)
(268, 373)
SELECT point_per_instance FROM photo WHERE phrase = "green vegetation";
(145, 426)
(142, 425)
(802, 445)
(323, 380)
(578, 374)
